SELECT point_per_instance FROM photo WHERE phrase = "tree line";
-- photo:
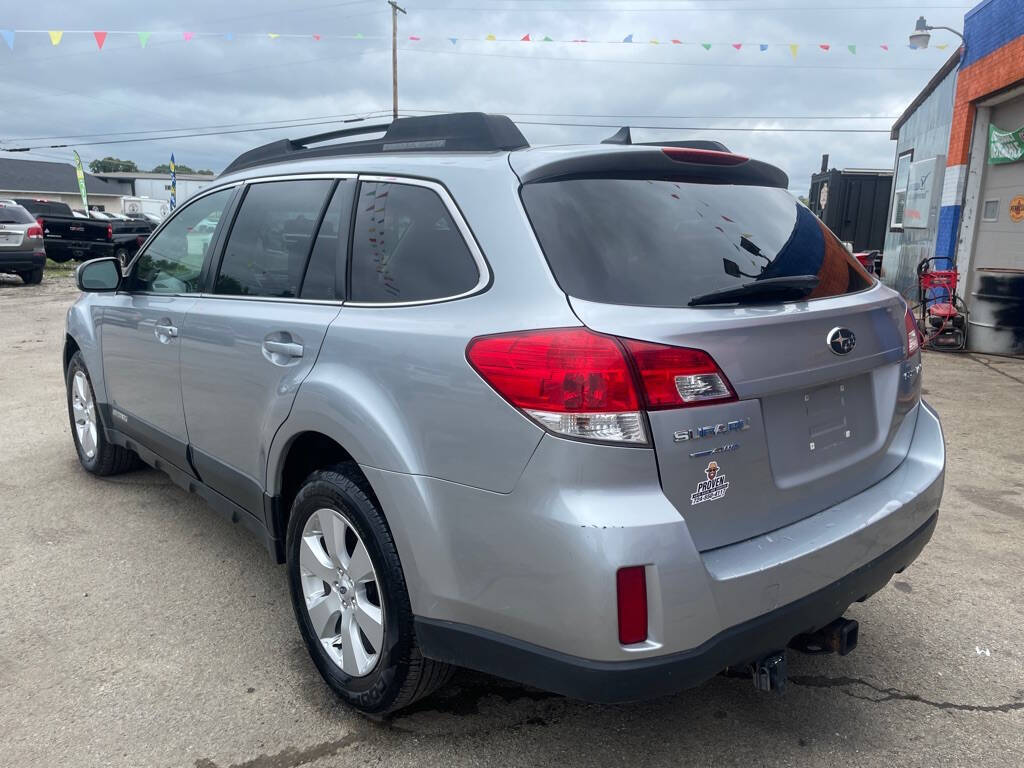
(116, 164)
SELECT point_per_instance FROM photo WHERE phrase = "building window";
(899, 189)
(991, 211)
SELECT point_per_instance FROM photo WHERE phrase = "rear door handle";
(165, 329)
(285, 348)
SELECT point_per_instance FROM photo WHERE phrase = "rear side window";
(45, 207)
(661, 243)
(15, 214)
(271, 238)
(406, 246)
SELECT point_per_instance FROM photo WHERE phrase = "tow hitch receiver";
(769, 673)
(838, 637)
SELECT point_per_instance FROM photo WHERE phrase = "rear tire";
(396, 672)
(32, 277)
(97, 455)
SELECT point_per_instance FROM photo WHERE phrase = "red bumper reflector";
(631, 586)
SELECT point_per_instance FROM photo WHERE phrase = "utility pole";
(395, 8)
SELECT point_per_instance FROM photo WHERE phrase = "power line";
(762, 9)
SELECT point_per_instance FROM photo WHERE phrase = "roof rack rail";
(455, 132)
(623, 136)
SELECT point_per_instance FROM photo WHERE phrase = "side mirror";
(98, 275)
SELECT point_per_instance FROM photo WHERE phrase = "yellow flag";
(55, 36)
(491, 37)
(792, 49)
(273, 35)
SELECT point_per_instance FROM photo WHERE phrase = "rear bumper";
(21, 261)
(612, 681)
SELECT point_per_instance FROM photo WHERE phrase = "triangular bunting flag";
(453, 40)
(676, 42)
(273, 35)
(413, 37)
(628, 38)
(492, 38)
(884, 47)
(824, 46)
(852, 49)
(706, 46)
(737, 46)
(143, 38)
(654, 42)
(55, 36)
(229, 36)
(359, 35)
(793, 49)
(525, 38)
(316, 37)
(101, 38)
(188, 36)
(942, 46)
(547, 39)
(763, 47)
(8, 36)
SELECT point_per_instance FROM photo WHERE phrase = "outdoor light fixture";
(921, 35)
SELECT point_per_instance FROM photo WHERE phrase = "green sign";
(1005, 146)
(81, 180)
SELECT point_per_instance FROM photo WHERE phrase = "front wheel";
(96, 454)
(350, 597)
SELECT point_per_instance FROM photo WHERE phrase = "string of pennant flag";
(57, 36)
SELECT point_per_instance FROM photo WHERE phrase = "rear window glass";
(45, 207)
(661, 243)
(15, 214)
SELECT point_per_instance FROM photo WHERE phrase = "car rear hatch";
(818, 385)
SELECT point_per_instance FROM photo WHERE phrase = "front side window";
(899, 188)
(271, 238)
(173, 260)
(406, 247)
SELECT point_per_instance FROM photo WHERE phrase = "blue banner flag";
(174, 184)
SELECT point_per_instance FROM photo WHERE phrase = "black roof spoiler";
(457, 132)
(624, 136)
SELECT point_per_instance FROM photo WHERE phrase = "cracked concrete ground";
(138, 628)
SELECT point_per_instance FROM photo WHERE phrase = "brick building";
(961, 198)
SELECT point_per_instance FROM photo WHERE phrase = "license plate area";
(821, 430)
(10, 238)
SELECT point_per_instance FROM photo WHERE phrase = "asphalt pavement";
(139, 628)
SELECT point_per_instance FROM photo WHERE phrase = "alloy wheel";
(341, 592)
(84, 410)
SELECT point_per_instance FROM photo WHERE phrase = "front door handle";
(283, 348)
(164, 331)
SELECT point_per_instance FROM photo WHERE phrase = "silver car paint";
(503, 526)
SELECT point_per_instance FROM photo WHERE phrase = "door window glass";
(327, 261)
(271, 238)
(406, 247)
(173, 261)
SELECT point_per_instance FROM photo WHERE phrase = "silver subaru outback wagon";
(607, 420)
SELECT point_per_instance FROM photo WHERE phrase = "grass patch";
(65, 268)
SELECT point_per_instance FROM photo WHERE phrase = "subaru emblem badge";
(841, 341)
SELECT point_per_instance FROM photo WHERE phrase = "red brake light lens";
(110, 231)
(34, 231)
(703, 156)
(631, 594)
(676, 377)
(565, 370)
(40, 222)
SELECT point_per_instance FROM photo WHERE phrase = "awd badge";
(713, 488)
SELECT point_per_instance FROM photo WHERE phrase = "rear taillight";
(704, 156)
(34, 231)
(41, 223)
(110, 232)
(631, 595)
(913, 334)
(582, 384)
(677, 377)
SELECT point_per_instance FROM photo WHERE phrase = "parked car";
(67, 236)
(606, 420)
(21, 244)
(147, 217)
(70, 236)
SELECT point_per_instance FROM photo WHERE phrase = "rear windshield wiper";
(769, 289)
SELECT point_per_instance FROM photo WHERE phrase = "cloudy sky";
(253, 80)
